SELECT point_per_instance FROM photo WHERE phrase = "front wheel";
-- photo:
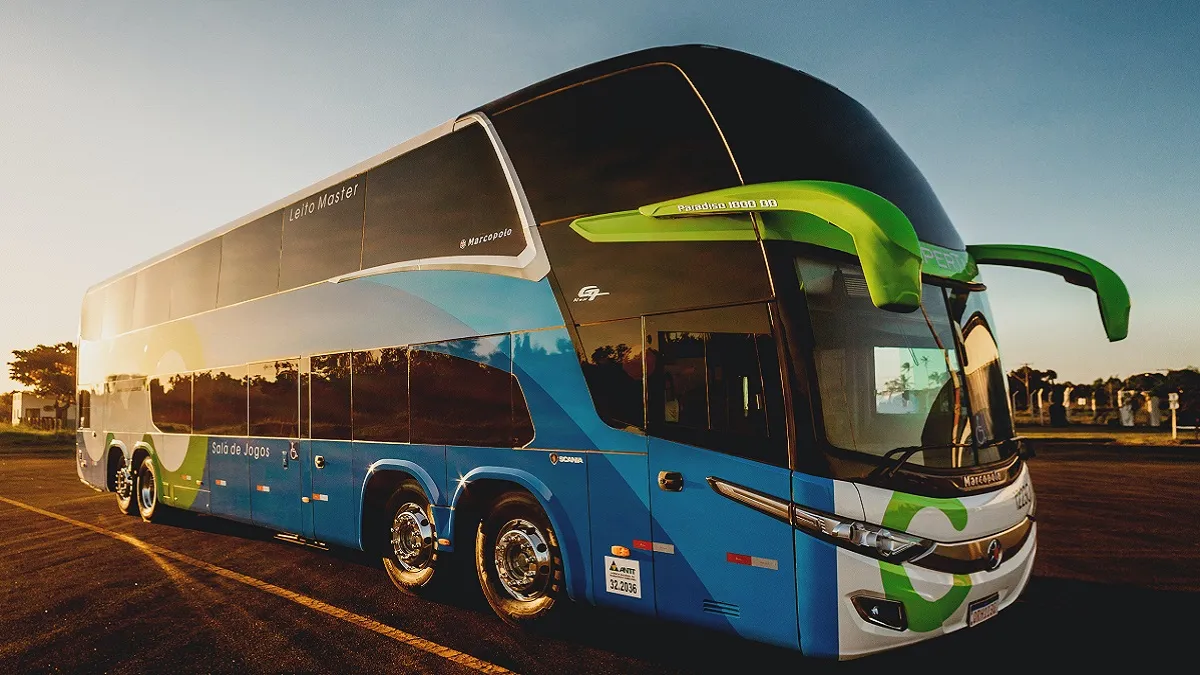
(146, 490)
(409, 555)
(518, 560)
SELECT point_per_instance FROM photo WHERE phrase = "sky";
(127, 128)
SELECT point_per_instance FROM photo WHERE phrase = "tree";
(49, 371)
(1026, 380)
(5, 407)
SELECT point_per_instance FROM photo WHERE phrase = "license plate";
(983, 609)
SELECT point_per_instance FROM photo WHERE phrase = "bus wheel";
(518, 561)
(409, 555)
(146, 489)
(123, 485)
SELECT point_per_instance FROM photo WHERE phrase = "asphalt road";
(85, 589)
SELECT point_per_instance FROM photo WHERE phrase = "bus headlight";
(872, 540)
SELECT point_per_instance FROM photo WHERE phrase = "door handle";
(319, 461)
(671, 481)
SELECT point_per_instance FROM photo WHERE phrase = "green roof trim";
(631, 226)
(834, 215)
(1111, 294)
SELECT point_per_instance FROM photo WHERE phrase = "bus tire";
(145, 486)
(409, 543)
(124, 485)
(518, 561)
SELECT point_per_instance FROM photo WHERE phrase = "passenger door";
(715, 417)
(273, 448)
(332, 513)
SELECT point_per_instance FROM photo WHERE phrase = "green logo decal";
(923, 615)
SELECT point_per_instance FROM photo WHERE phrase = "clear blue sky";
(129, 127)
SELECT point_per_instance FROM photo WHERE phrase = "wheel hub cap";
(123, 485)
(412, 538)
(146, 488)
(522, 559)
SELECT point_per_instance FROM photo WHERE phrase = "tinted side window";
(219, 402)
(91, 323)
(612, 366)
(715, 382)
(322, 235)
(118, 306)
(194, 279)
(152, 296)
(615, 143)
(458, 400)
(171, 403)
(329, 389)
(448, 197)
(250, 260)
(274, 399)
(85, 409)
(381, 395)
(522, 423)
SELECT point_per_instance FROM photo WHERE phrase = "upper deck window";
(250, 260)
(615, 143)
(322, 235)
(796, 127)
(448, 197)
(194, 279)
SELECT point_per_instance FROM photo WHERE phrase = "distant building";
(34, 410)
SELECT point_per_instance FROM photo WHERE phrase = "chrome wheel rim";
(146, 488)
(522, 559)
(412, 538)
(123, 483)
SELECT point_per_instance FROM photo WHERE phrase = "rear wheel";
(409, 553)
(123, 481)
(146, 490)
(518, 560)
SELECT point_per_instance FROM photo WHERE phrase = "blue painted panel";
(441, 524)
(335, 495)
(561, 488)
(715, 541)
(816, 572)
(275, 485)
(228, 477)
(426, 463)
(487, 303)
(619, 492)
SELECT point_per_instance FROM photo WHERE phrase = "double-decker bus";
(683, 332)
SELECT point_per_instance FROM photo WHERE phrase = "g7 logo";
(589, 293)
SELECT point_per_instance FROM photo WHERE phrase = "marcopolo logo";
(483, 239)
(589, 293)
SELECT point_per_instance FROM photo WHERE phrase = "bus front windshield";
(888, 381)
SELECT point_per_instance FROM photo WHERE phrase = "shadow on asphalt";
(1055, 621)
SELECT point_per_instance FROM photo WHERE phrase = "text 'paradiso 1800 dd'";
(683, 332)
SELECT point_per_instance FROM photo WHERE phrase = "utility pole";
(1028, 399)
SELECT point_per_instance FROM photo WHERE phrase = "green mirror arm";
(883, 237)
(1111, 294)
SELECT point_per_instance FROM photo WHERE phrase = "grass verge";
(20, 437)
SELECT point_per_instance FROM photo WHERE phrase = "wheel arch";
(381, 480)
(110, 465)
(481, 486)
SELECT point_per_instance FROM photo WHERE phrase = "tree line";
(1025, 382)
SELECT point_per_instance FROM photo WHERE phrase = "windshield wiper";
(1000, 441)
(889, 470)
